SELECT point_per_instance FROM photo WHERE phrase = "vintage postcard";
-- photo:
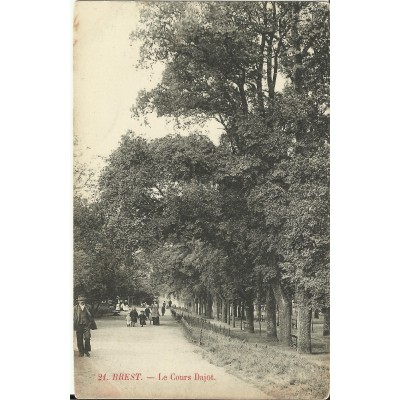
(201, 200)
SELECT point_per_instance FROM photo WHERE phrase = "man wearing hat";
(83, 322)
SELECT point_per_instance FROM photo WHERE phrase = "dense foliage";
(202, 220)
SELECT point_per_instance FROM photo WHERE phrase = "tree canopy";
(223, 220)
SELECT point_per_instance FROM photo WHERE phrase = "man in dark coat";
(83, 322)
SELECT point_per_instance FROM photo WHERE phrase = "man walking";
(83, 322)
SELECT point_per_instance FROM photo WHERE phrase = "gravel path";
(135, 361)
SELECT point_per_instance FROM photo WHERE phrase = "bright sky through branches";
(106, 81)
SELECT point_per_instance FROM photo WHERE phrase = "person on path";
(163, 309)
(147, 311)
(128, 320)
(155, 314)
(134, 316)
(170, 303)
(83, 323)
(142, 319)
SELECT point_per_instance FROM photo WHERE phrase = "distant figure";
(142, 319)
(155, 314)
(134, 316)
(128, 320)
(117, 307)
(163, 309)
(147, 311)
(170, 303)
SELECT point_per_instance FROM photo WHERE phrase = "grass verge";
(279, 374)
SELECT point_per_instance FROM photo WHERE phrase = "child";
(128, 320)
(142, 318)
(134, 316)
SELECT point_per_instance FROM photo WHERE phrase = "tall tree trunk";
(234, 307)
(213, 306)
(285, 314)
(270, 316)
(327, 322)
(259, 77)
(250, 315)
(224, 311)
(298, 67)
(304, 324)
(209, 306)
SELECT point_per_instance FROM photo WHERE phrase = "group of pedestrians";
(84, 321)
(150, 313)
(133, 316)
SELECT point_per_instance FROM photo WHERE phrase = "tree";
(268, 179)
(101, 269)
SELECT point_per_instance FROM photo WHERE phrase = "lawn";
(279, 372)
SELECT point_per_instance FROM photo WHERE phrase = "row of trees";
(246, 221)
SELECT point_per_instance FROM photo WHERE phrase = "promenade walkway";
(155, 362)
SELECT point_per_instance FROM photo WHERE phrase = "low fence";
(200, 329)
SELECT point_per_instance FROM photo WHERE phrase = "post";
(201, 332)
(241, 314)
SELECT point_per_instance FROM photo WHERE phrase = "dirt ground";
(155, 362)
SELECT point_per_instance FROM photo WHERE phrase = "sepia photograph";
(201, 200)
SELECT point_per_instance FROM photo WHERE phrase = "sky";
(106, 81)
